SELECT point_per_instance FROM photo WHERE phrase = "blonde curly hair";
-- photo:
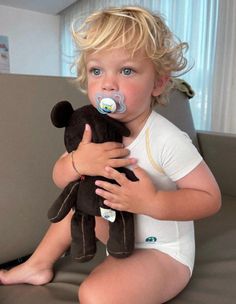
(133, 28)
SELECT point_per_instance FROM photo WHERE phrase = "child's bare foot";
(26, 273)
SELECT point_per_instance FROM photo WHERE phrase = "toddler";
(127, 56)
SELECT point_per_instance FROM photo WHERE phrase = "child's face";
(134, 77)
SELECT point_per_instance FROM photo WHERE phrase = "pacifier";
(112, 103)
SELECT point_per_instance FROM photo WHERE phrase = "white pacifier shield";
(112, 103)
(107, 105)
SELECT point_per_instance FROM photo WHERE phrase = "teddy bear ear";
(61, 113)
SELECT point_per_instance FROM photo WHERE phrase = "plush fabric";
(80, 195)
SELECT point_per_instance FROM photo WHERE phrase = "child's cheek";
(91, 98)
(92, 93)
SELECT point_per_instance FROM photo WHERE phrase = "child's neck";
(135, 128)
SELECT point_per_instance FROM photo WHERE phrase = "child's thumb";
(87, 136)
(139, 172)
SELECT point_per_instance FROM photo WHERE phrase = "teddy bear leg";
(64, 203)
(83, 246)
(121, 235)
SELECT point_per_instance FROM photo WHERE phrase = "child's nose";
(110, 83)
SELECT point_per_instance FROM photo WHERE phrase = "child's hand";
(127, 195)
(92, 158)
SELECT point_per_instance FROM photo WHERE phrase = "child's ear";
(159, 85)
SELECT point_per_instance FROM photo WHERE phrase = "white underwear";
(171, 237)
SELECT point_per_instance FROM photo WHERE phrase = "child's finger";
(106, 195)
(116, 175)
(139, 172)
(112, 188)
(115, 206)
(87, 135)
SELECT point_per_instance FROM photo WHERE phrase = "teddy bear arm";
(64, 203)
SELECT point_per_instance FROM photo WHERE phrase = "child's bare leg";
(148, 276)
(37, 270)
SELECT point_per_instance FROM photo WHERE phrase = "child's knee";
(82, 291)
(87, 293)
(90, 292)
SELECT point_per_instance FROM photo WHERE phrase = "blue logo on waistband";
(151, 239)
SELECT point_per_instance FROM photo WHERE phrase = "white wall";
(33, 41)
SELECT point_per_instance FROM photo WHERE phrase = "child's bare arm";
(197, 196)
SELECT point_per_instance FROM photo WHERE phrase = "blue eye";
(127, 71)
(96, 71)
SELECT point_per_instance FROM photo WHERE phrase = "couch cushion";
(219, 152)
(214, 275)
(29, 147)
(213, 278)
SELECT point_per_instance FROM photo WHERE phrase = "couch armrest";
(219, 152)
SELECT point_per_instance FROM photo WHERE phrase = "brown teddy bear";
(80, 195)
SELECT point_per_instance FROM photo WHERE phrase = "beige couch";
(29, 147)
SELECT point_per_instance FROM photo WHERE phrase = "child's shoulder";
(162, 127)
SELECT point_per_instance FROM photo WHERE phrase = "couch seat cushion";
(213, 280)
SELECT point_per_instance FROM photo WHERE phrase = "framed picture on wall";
(4, 55)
